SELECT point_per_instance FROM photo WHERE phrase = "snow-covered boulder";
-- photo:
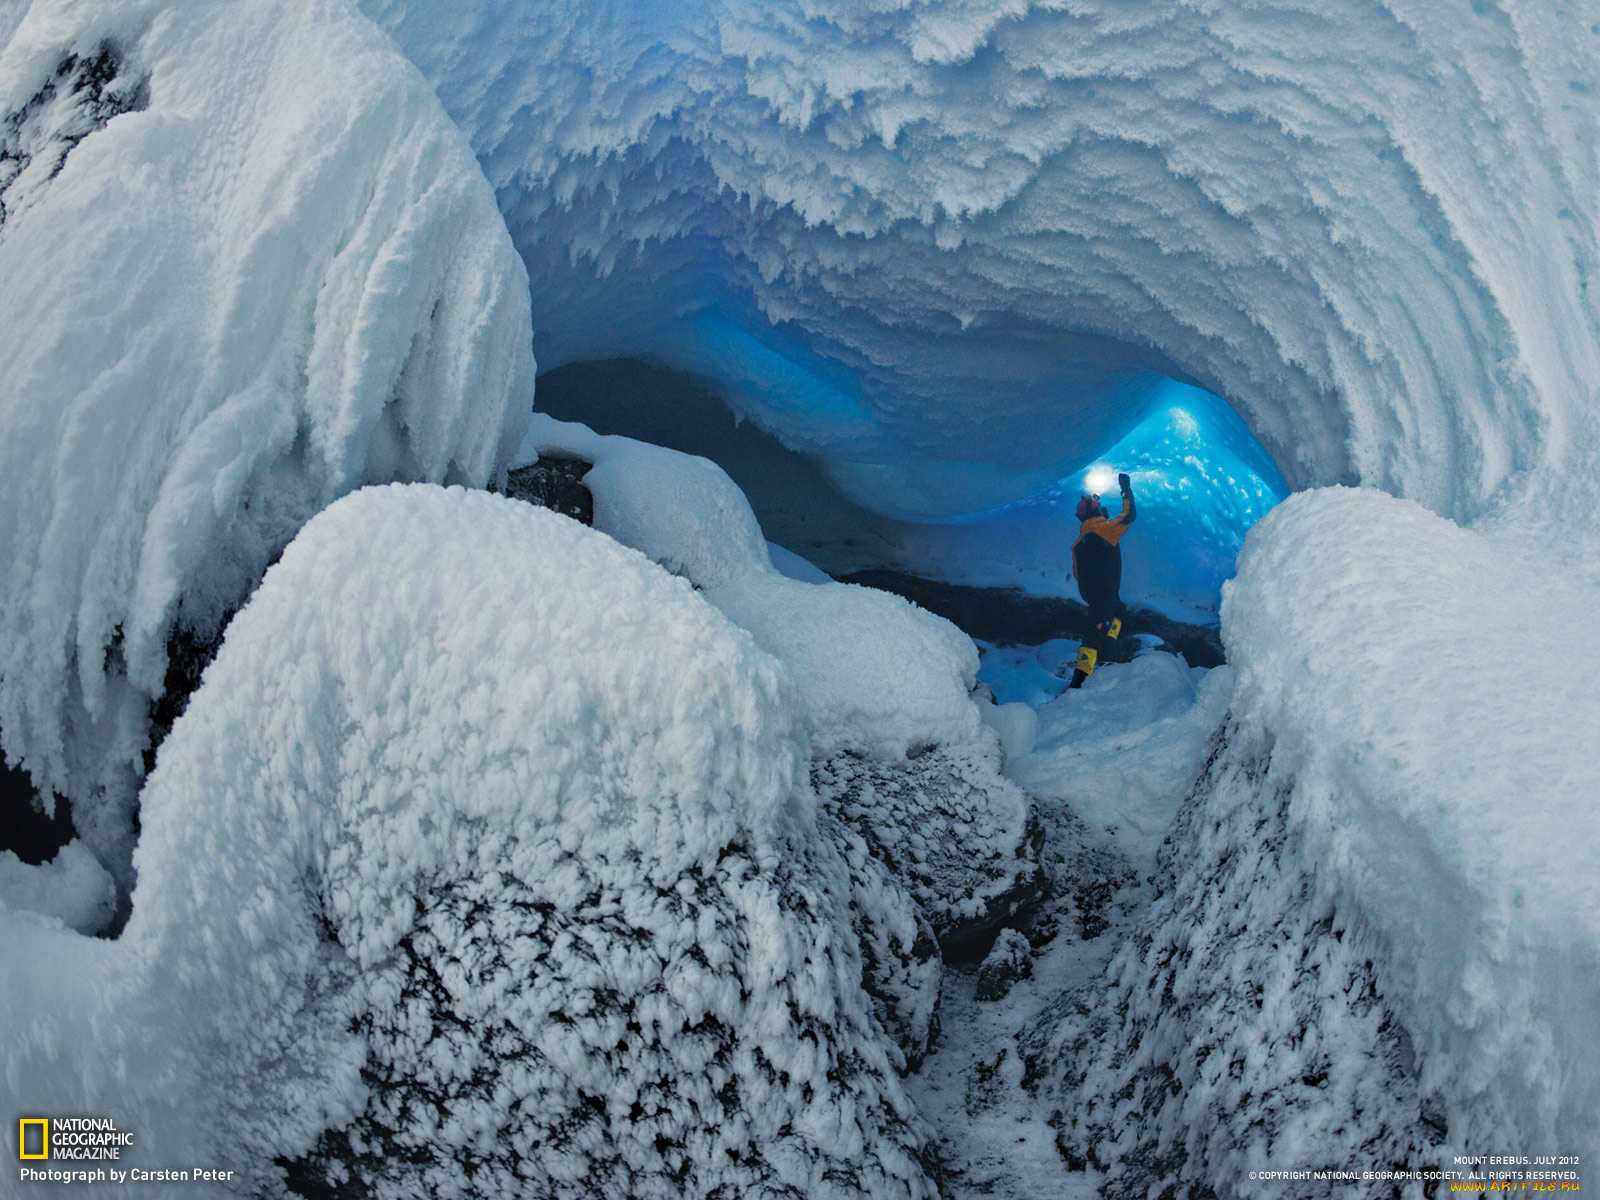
(1238, 1030)
(484, 862)
(72, 887)
(1010, 960)
(901, 754)
(1429, 698)
(246, 265)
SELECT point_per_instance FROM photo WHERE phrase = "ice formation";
(942, 245)
(1418, 760)
(1201, 479)
(208, 331)
(503, 841)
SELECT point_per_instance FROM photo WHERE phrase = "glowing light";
(1100, 480)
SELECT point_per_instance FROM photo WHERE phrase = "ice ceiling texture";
(922, 239)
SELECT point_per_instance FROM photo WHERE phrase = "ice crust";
(278, 275)
(488, 846)
(941, 244)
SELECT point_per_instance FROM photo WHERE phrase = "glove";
(1125, 484)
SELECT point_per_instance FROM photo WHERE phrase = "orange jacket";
(1108, 529)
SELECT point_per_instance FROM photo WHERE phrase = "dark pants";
(1106, 612)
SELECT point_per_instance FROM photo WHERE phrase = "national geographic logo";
(73, 1139)
(80, 1149)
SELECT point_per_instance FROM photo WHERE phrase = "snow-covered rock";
(1009, 961)
(901, 753)
(1239, 1030)
(249, 264)
(72, 887)
(901, 968)
(1427, 696)
(484, 862)
(962, 838)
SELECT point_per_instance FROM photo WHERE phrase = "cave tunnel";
(1200, 477)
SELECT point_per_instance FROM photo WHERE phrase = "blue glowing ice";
(1201, 481)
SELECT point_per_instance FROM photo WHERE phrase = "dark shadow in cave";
(25, 830)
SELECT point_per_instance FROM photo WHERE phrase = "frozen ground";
(1124, 751)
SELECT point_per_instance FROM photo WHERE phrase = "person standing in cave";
(1097, 566)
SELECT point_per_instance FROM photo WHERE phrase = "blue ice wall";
(1202, 480)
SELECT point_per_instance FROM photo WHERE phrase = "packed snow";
(1123, 750)
(249, 265)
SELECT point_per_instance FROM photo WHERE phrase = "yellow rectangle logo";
(42, 1125)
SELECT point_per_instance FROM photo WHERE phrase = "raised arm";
(1129, 511)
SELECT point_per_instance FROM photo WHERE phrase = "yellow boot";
(1087, 656)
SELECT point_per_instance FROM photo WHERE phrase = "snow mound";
(900, 752)
(874, 671)
(249, 265)
(484, 862)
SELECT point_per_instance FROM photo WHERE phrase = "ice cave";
(538, 608)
